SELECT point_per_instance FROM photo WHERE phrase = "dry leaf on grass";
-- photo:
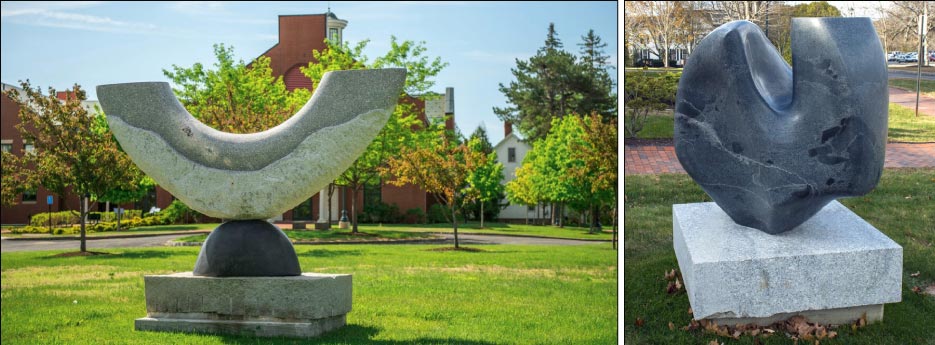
(917, 289)
(714, 342)
(671, 326)
(639, 322)
(690, 312)
(915, 274)
(670, 275)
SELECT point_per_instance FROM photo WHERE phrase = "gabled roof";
(512, 135)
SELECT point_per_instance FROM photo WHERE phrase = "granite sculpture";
(247, 178)
(773, 145)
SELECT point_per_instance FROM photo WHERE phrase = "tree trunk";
(561, 215)
(330, 193)
(595, 218)
(454, 220)
(354, 211)
(613, 241)
(552, 213)
(482, 214)
(83, 213)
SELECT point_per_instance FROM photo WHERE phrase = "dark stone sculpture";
(773, 147)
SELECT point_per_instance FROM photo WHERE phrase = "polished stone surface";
(772, 147)
(247, 248)
(835, 260)
(300, 306)
(258, 175)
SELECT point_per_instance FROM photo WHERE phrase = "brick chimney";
(507, 128)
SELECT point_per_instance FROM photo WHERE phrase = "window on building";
(511, 155)
(6, 146)
(29, 196)
(28, 146)
(531, 208)
(334, 35)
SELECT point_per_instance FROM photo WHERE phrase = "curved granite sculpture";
(246, 178)
(773, 147)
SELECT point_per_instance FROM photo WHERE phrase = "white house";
(510, 152)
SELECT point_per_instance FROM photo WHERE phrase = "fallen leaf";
(754, 332)
(909, 197)
(713, 342)
(671, 326)
(670, 274)
(670, 289)
(736, 334)
(914, 274)
(832, 334)
(678, 285)
(639, 322)
(769, 330)
(917, 289)
(863, 320)
(690, 312)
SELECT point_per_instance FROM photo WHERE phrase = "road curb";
(529, 236)
(422, 241)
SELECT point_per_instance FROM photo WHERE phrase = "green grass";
(402, 294)
(905, 126)
(928, 86)
(902, 206)
(658, 125)
(571, 232)
(334, 235)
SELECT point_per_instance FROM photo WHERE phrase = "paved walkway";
(657, 159)
(908, 100)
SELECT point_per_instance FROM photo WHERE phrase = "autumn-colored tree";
(236, 97)
(598, 153)
(521, 190)
(71, 146)
(399, 130)
(441, 167)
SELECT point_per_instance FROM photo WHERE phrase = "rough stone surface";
(301, 306)
(247, 248)
(258, 175)
(833, 260)
(772, 149)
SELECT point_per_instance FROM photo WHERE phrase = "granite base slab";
(832, 269)
(298, 306)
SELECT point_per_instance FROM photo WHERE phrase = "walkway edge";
(530, 236)
(89, 238)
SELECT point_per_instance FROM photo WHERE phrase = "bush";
(380, 212)
(438, 214)
(58, 219)
(643, 94)
(415, 215)
(112, 216)
(178, 212)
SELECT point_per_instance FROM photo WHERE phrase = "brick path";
(657, 159)
(908, 100)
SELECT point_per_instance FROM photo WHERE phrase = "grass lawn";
(402, 294)
(928, 86)
(902, 206)
(333, 235)
(904, 126)
(572, 232)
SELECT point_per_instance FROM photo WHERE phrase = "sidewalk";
(908, 100)
(658, 159)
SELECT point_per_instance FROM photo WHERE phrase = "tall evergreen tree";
(481, 134)
(596, 84)
(544, 89)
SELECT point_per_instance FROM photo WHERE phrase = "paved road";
(156, 241)
(911, 75)
(18, 246)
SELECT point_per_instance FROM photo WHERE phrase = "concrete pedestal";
(300, 306)
(832, 269)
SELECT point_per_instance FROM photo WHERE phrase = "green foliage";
(381, 212)
(484, 144)
(178, 212)
(438, 214)
(369, 167)
(644, 94)
(415, 215)
(483, 184)
(236, 97)
(58, 219)
(555, 83)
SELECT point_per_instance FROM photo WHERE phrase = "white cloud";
(54, 14)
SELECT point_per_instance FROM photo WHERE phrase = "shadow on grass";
(166, 228)
(351, 334)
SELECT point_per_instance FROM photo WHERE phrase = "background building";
(510, 152)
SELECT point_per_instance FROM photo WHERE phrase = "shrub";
(644, 94)
(438, 214)
(380, 212)
(415, 215)
(58, 219)
(178, 212)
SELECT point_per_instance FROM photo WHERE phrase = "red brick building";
(299, 35)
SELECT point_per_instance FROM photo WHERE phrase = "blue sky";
(91, 43)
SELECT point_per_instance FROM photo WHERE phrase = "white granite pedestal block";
(833, 268)
(300, 306)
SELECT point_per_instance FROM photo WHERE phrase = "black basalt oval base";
(247, 248)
